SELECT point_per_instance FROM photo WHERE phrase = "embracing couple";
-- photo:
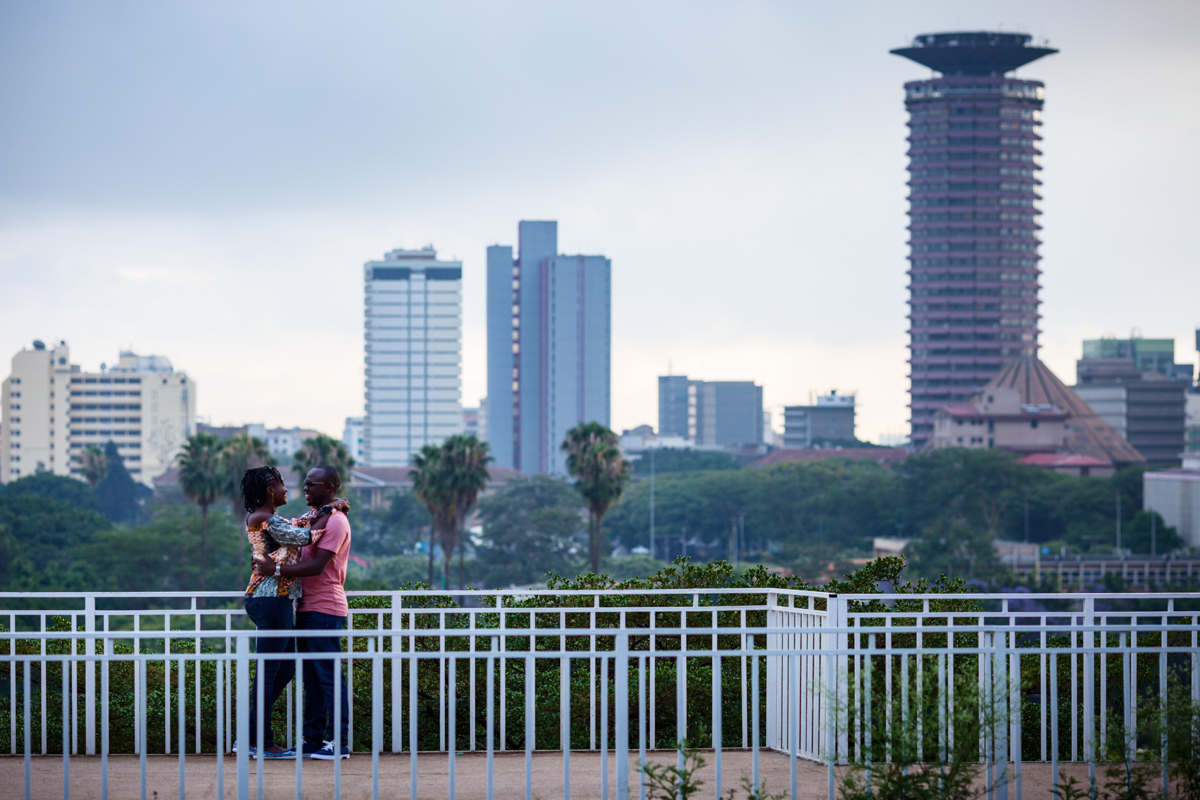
(301, 561)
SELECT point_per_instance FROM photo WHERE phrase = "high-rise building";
(1155, 355)
(673, 405)
(831, 419)
(973, 207)
(549, 323)
(52, 411)
(413, 354)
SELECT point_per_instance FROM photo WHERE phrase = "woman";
(269, 597)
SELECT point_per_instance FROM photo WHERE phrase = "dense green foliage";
(40, 539)
(49, 486)
(530, 529)
(961, 498)
(670, 459)
(398, 528)
(50, 546)
(117, 494)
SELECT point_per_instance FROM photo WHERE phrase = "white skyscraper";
(53, 411)
(413, 354)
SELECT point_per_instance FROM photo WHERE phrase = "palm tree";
(322, 449)
(203, 479)
(93, 467)
(240, 453)
(431, 475)
(468, 459)
(600, 473)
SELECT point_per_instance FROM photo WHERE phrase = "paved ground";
(162, 777)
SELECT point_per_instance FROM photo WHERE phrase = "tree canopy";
(322, 450)
(600, 472)
(531, 528)
(59, 488)
(117, 494)
(673, 459)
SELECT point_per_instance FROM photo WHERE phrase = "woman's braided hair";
(256, 482)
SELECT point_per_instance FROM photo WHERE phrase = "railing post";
(836, 700)
(375, 653)
(89, 672)
(622, 720)
(242, 715)
(1089, 688)
(774, 683)
(397, 684)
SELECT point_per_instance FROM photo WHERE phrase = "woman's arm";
(283, 532)
(305, 569)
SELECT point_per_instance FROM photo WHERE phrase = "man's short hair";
(330, 475)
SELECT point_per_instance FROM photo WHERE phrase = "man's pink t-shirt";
(325, 592)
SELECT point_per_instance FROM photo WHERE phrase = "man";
(323, 606)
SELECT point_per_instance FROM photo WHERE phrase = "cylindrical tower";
(973, 170)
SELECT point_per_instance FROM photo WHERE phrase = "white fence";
(815, 676)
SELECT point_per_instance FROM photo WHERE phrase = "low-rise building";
(1175, 494)
(1084, 431)
(52, 411)
(830, 419)
(284, 442)
(352, 437)
(1070, 464)
(998, 418)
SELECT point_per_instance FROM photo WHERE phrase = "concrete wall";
(1175, 494)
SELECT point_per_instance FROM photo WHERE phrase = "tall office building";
(52, 411)
(549, 322)
(413, 355)
(973, 167)
(711, 413)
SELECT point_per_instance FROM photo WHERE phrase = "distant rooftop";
(973, 52)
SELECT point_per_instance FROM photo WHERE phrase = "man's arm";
(265, 565)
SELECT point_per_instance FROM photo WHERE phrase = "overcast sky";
(205, 180)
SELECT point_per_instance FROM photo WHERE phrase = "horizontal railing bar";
(403, 593)
(596, 631)
(428, 655)
(456, 593)
(158, 612)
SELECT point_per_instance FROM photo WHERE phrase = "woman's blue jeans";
(271, 614)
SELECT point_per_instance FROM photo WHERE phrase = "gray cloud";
(743, 164)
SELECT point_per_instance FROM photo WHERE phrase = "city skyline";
(753, 244)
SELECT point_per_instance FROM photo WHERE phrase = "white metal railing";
(808, 674)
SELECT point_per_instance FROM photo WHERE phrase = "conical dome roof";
(1087, 434)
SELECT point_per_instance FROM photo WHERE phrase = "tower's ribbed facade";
(974, 159)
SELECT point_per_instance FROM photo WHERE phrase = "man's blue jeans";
(273, 614)
(319, 677)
